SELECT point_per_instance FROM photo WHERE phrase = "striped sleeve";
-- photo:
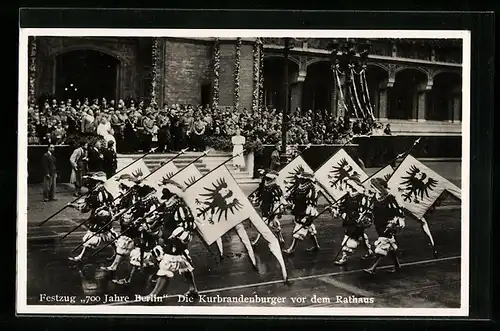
(312, 197)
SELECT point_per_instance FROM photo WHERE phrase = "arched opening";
(86, 74)
(444, 100)
(318, 87)
(274, 80)
(376, 78)
(403, 96)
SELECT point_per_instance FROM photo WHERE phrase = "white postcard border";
(22, 193)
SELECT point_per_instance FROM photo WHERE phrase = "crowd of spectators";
(136, 127)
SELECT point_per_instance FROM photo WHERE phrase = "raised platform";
(204, 165)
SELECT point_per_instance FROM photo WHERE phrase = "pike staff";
(123, 194)
(60, 210)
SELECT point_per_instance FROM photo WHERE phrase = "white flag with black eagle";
(385, 173)
(219, 202)
(333, 173)
(187, 176)
(166, 172)
(418, 187)
(136, 172)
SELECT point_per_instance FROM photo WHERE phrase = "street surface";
(423, 282)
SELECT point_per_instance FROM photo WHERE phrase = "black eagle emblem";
(386, 177)
(416, 184)
(166, 179)
(190, 181)
(340, 171)
(291, 180)
(137, 174)
(220, 201)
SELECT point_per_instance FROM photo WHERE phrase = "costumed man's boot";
(368, 247)
(395, 260)
(343, 259)
(116, 262)
(79, 257)
(292, 247)
(316, 244)
(161, 283)
(128, 280)
(372, 269)
(193, 291)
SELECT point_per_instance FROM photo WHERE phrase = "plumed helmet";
(355, 183)
(143, 190)
(99, 176)
(381, 185)
(127, 180)
(171, 187)
(271, 175)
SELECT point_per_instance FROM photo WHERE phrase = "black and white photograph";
(243, 172)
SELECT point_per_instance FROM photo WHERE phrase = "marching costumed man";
(354, 208)
(131, 241)
(99, 203)
(388, 218)
(304, 199)
(128, 191)
(177, 231)
(269, 197)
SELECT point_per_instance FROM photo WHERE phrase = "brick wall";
(246, 76)
(226, 76)
(187, 68)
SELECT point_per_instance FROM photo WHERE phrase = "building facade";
(416, 85)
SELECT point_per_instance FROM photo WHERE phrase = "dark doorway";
(86, 74)
(318, 87)
(206, 94)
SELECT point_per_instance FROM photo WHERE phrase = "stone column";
(420, 111)
(457, 108)
(296, 87)
(296, 96)
(383, 98)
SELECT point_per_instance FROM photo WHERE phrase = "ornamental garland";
(216, 70)
(32, 70)
(255, 78)
(237, 65)
(261, 74)
(156, 68)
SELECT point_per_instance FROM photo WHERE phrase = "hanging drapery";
(216, 71)
(237, 65)
(32, 70)
(255, 76)
(155, 55)
(342, 99)
(364, 84)
(261, 74)
(355, 91)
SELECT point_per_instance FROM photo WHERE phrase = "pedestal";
(249, 161)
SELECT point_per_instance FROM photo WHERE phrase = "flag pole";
(66, 206)
(178, 171)
(123, 194)
(404, 154)
(295, 157)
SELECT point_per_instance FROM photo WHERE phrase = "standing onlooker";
(110, 161)
(78, 162)
(239, 159)
(275, 159)
(50, 171)
(96, 158)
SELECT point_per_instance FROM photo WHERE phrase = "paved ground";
(422, 283)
